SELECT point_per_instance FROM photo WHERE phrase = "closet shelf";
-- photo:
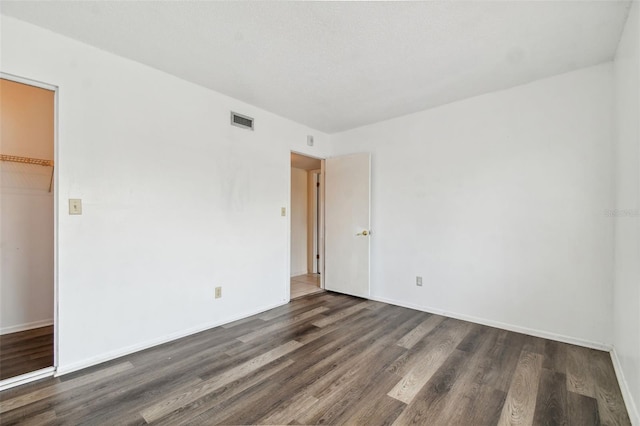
(28, 160)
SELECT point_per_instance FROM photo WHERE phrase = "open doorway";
(306, 226)
(27, 281)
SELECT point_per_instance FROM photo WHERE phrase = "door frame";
(314, 242)
(320, 221)
(51, 371)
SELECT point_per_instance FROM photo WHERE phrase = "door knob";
(363, 233)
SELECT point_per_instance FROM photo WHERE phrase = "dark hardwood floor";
(26, 351)
(334, 359)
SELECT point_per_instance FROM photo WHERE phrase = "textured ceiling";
(335, 65)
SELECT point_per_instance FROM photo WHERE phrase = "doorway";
(306, 226)
(27, 204)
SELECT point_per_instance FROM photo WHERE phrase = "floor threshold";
(27, 378)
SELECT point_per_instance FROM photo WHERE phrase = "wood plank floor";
(335, 359)
(302, 285)
(26, 351)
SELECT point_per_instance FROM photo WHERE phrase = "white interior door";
(347, 224)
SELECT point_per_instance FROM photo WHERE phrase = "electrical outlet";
(310, 140)
(419, 281)
(218, 292)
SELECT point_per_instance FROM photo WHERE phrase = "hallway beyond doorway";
(302, 285)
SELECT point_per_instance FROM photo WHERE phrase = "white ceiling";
(339, 65)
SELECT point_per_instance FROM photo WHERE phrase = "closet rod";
(27, 160)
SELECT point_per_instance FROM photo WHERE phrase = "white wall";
(298, 221)
(498, 203)
(26, 208)
(626, 216)
(175, 200)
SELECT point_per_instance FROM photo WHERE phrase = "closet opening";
(27, 230)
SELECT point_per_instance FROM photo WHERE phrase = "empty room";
(346, 213)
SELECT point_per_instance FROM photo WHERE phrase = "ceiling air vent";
(240, 120)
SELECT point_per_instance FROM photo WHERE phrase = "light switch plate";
(75, 206)
(283, 211)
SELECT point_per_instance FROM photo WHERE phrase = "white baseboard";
(70, 368)
(26, 378)
(632, 408)
(24, 327)
(498, 324)
(295, 274)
